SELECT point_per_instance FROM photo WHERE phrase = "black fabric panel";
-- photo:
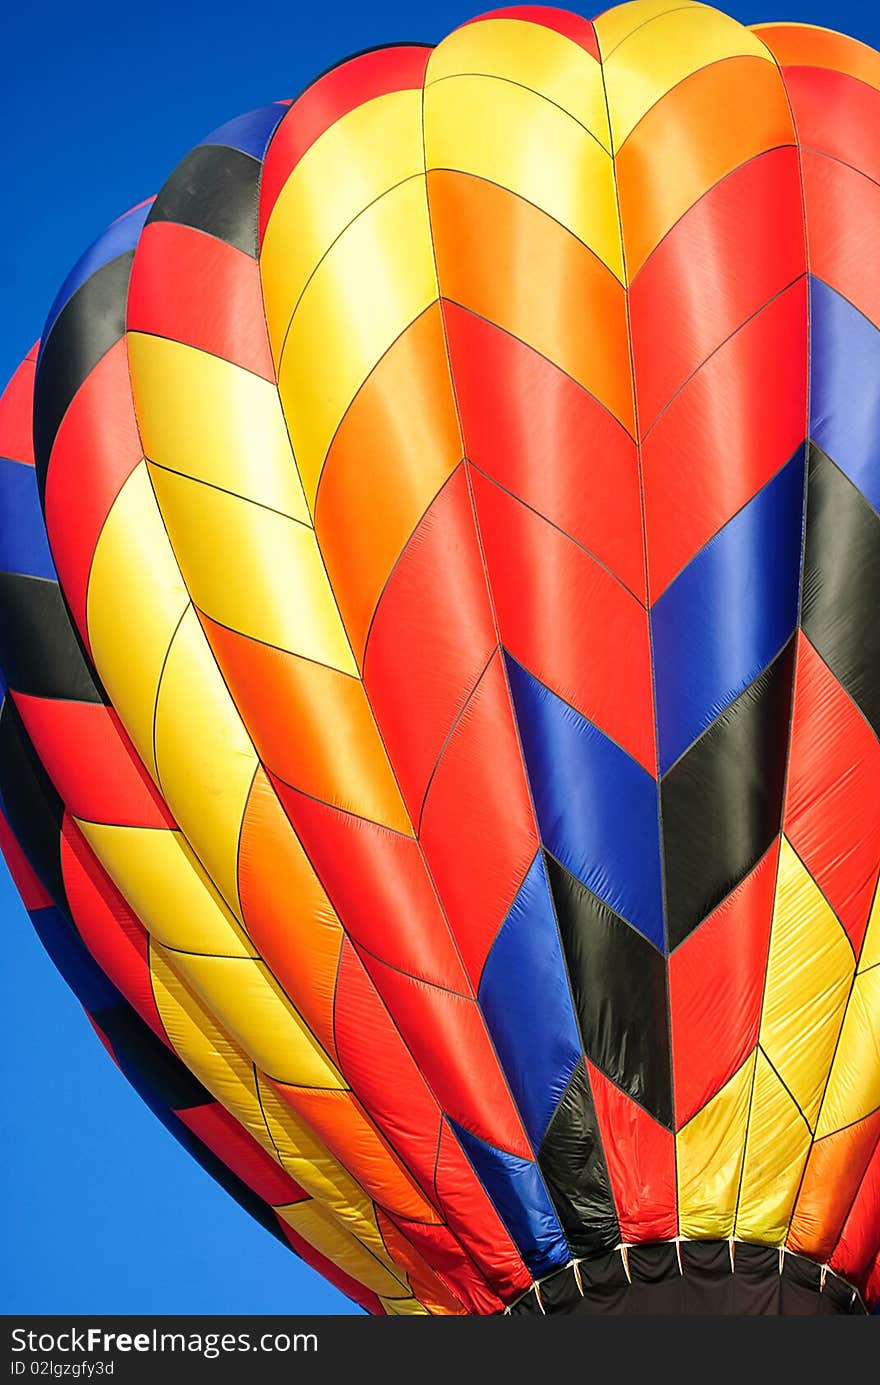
(841, 591)
(703, 1283)
(40, 652)
(619, 981)
(157, 1074)
(573, 1167)
(756, 1283)
(33, 807)
(527, 1307)
(215, 190)
(722, 802)
(560, 1292)
(90, 323)
(706, 1266)
(649, 1264)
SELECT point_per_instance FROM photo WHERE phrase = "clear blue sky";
(103, 1212)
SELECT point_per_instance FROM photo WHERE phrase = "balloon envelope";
(438, 564)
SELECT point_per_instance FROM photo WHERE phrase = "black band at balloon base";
(693, 1278)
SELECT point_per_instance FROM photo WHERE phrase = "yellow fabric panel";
(809, 973)
(709, 1152)
(655, 58)
(777, 1145)
(402, 1307)
(130, 620)
(158, 873)
(208, 1051)
(509, 136)
(619, 21)
(229, 1075)
(362, 155)
(253, 570)
(323, 1232)
(374, 281)
(309, 1162)
(854, 1086)
(542, 59)
(204, 756)
(870, 954)
(249, 1002)
(215, 421)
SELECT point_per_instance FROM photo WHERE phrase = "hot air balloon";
(439, 555)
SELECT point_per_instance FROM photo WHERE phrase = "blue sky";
(102, 1210)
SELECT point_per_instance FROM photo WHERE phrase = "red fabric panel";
(641, 1163)
(572, 26)
(385, 1077)
(432, 1291)
(239, 1151)
(489, 1243)
(92, 763)
(833, 783)
(193, 288)
(33, 895)
(16, 412)
(517, 410)
(110, 930)
(836, 114)
(566, 619)
(478, 827)
(329, 1270)
(716, 987)
(376, 881)
(450, 1263)
(746, 407)
(860, 1237)
(327, 100)
(737, 246)
(447, 1036)
(98, 438)
(431, 637)
(382, 1073)
(843, 212)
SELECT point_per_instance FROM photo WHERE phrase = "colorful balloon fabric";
(439, 560)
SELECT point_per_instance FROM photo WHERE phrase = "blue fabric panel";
(845, 388)
(525, 997)
(73, 960)
(24, 546)
(517, 1191)
(251, 132)
(597, 808)
(728, 614)
(119, 238)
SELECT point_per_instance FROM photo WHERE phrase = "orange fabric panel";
(488, 241)
(708, 125)
(834, 1171)
(286, 911)
(338, 1119)
(396, 446)
(802, 45)
(312, 726)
